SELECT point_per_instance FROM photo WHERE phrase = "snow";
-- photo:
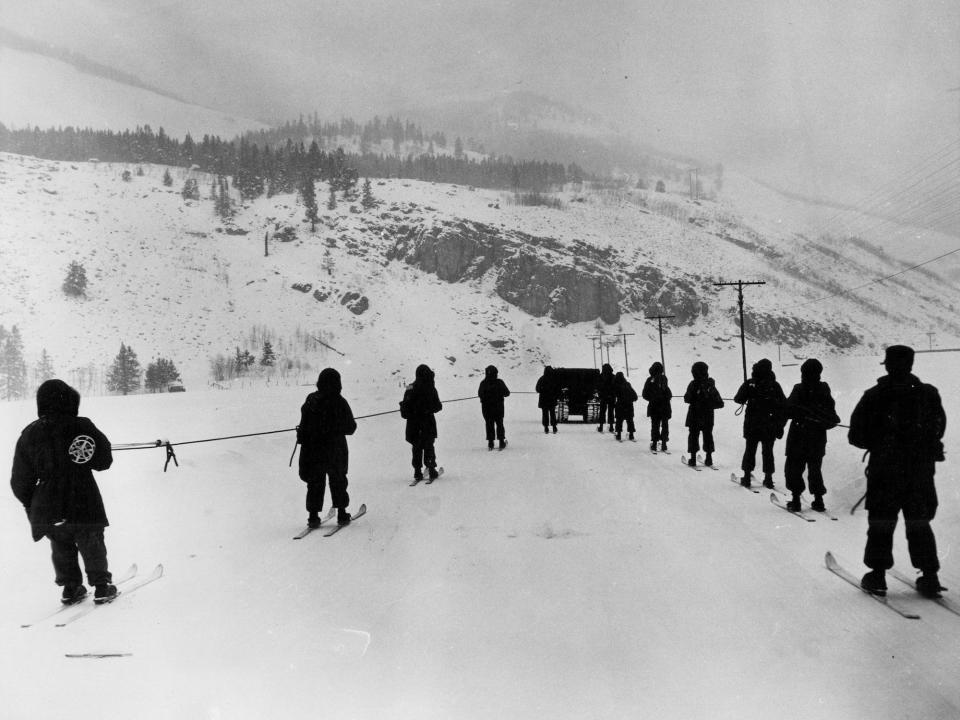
(569, 576)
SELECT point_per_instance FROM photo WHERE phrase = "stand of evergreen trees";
(275, 161)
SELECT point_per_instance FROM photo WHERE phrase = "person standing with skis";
(491, 392)
(703, 398)
(811, 411)
(763, 419)
(607, 395)
(900, 421)
(325, 421)
(657, 393)
(419, 406)
(624, 398)
(52, 477)
(549, 393)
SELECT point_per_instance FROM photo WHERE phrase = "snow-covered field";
(567, 577)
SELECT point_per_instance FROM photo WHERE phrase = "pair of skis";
(333, 530)
(87, 606)
(837, 569)
(698, 468)
(419, 479)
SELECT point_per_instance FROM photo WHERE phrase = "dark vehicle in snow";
(578, 393)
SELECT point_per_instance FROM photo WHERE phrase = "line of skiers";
(900, 422)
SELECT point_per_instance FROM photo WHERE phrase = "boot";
(793, 505)
(929, 585)
(104, 593)
(745, 480)
(708, 460)
(768, 481)
(600, 428)
(546, 430)
(611, 427)
(653, 447)
(343, 517)
(692, 462)
(489, 444)
(432, 473)
(817, 504)
(619, 439)
(503, 444)
(73, 594)
(874, 582)
(418, 475)
(630, 436)
(663, 446)
(554, 429)
(313, 521)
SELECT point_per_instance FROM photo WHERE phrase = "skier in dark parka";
(52, 477)
(624, 398)
(763, 419)
(548, 390)
(811, 411)
(607, 395)
(491, 392)
(703, 398)
(657, 393)
(901, 422)
(419, 405)
(325, 421)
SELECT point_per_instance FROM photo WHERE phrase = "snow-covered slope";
(46, 92)
(567, 577)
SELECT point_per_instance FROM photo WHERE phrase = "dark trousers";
(750, 455)
(494, 428)
(793, 472)
(659, 429)
(67, 541)
(423, 453)
(606, 412)
(921, 543)
(316, 486)
(549, 416)
(630, 427)
(693, 439)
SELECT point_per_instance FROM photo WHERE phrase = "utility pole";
(660, 319)
(694, 184)
(930, 338)
(593, 344)
(626, 362)
(739, 285)
(266, 247)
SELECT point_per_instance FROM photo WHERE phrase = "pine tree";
(75, 283)
(167, 178)
(44, 368)
(332, 201)
(124, 374)
(268, 359)
(368, 200)
(160, 373)
(309, 195)
(191, 189)
(223, 205)
(242, 360)
(13, 369)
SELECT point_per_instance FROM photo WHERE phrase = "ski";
(683, 459)
(307, 530)
(416, 481)
(97, 656)
(939, 600)
(775, 499)
(734, 479)
(337, 528)
(439, 473)
(155, 575)
(128, 575)
(835, 567)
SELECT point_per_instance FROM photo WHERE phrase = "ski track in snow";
(569, 576)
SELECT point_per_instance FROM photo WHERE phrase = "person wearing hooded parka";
(763, 420)
(548, 394)
(491, 392)
(656, 391)
(325, 421)
(624, 398)
(52, 477)
(608, 398)
(703, 398)
(419, 405)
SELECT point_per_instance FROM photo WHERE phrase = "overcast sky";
(804, 88)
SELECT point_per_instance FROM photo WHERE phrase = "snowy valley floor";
(567, 577)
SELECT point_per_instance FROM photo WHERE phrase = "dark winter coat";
(420, 403)
(812, 412)
(765, 414)
(703, 398)
(624, 397)
(605, 390)
(325, 421)
(548, 388)
(491, 392)
(54, 460)
(657, 393)
(901, 422)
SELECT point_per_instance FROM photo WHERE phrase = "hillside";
(43, 91)
(435, 273)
